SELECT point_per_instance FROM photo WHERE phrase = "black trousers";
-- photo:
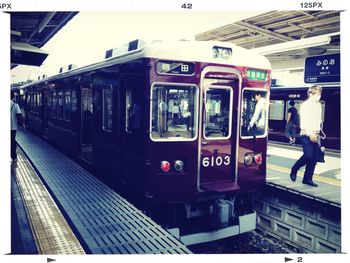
(307, 158)
(13, 145)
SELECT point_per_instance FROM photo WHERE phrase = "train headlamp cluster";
(253, 158)
(178, 166)
(221, 52)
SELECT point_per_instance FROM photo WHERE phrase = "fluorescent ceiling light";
(293, 45)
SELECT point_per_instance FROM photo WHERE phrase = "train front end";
(206, 150)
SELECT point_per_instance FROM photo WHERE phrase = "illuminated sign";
(175, 68)
(256, 74)
(322, 69)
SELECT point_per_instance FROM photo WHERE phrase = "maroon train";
(171, 122)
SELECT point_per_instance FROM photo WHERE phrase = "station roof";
(277, 27)
(36, 29)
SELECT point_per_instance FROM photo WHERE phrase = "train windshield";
(217, 110)
(173, 112)
(254, 113)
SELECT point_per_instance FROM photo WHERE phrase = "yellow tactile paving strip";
(51, 231)
(316, 177)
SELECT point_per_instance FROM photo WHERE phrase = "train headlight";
(221, 52)
(248, 159)
(258, 158)
(179, 165)
(225, 53)
(215, 52)
(165, 166)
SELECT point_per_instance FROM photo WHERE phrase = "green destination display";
(255, 74)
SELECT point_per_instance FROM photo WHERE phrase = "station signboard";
(322, 69)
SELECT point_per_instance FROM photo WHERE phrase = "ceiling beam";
(41, 26)
(264, 31)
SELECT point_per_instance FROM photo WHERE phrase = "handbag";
(319, 151)
(320, 154)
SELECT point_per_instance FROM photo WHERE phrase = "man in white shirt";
(15, 112)
(310, 124)
(259, 116)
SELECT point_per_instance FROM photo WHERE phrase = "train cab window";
(218, 114)
(54, 105)
(276, 110)
(67, 105)
(174, 110)
(254, 113)
(107, 108)
(60, 105)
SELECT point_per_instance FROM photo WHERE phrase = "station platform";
(102, 221)
(281, 157)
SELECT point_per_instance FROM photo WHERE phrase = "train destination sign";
(322, 69)
(175, 68)
(255, 74)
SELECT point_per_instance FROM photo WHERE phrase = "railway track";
(248, 243)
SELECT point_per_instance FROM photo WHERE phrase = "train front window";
(254, 113)
(174, 110)
(217, 113)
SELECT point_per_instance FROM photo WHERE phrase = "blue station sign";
(322, 69)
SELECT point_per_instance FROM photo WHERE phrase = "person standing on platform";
(293, 122)
(310, 125)
(16, 118)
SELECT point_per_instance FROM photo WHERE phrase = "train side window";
(54, 105)
(276, 110)
(107, 108)
(174, 111)
(133, 111)
(218, 113)
(35, 103)
(32, 108)
(60, 105)
(49, 103)
(254, 111)
(67, 105)
(74, 100)
(39, 102)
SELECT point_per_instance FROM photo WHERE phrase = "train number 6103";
(216, 161)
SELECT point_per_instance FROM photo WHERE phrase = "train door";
(86, 122)
(219, 134)
(132, 136)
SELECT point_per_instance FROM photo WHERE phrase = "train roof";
(324, 86)
(189, 51)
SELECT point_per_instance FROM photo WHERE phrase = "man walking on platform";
(310, 125)
(16, 116)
